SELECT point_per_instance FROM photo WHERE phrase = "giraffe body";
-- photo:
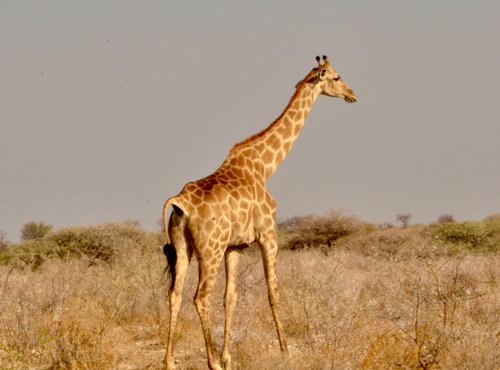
(218, 215)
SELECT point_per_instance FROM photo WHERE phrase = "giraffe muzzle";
(351, 98)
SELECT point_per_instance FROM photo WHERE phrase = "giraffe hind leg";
(178, 256)
(231, 264)
(206, 284)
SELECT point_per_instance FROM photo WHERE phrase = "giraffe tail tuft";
(171, 254)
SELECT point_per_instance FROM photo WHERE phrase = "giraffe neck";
(268, 148)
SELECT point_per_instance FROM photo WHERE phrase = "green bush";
(471, 235)
(317, 231)
(29, 253)
(35, 230)
(94, 243)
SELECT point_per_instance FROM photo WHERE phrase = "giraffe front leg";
(269, 246)
(231, 260)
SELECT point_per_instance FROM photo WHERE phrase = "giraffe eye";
(336, 78)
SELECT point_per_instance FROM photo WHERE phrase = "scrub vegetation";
(354, 296)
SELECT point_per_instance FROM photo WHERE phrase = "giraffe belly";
(242, 238)
(242, 230)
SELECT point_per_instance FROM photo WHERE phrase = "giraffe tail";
(168, 248)
(170, 201)
(179, 208)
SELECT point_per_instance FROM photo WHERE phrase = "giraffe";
(223, 213)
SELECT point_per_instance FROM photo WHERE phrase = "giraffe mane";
(259, 134)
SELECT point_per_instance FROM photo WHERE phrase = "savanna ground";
(354, 296)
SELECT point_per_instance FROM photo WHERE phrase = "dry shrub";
(371, 302)
(67, 314)
(346, 311)
(394, 244)
(426, 315)
(322, 309)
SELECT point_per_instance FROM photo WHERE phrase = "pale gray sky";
(107, 108)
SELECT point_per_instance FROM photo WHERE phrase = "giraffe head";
(330, 82)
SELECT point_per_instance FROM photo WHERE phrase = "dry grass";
(383, 300)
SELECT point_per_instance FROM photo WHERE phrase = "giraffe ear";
(314, 78)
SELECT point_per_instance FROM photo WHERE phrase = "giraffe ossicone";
(217, 216)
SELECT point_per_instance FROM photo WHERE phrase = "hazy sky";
(109, 107)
